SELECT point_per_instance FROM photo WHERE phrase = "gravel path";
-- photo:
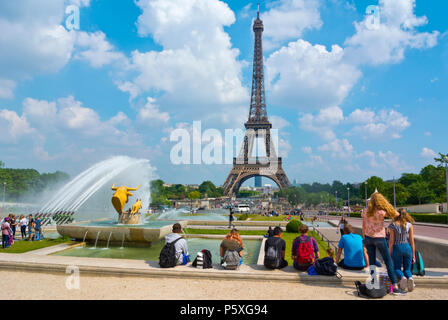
(28, 285)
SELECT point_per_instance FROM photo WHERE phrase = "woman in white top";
(23, 223)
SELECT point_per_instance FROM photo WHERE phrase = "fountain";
(108, 240)
(88, 197)
(96, 241)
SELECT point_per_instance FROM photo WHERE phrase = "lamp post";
(445, 159)
(336, 199)
(4, 192)
(395, 199)
(348, 201)
(365, 190)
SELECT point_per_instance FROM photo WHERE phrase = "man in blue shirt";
(37, 227)
(354, 252)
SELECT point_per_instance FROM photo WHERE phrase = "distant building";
(257, 181)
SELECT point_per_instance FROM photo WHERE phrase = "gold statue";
(137, 206)
(121, 197)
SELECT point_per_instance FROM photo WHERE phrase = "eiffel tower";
(245, 165)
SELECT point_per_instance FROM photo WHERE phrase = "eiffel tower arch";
(258, 128)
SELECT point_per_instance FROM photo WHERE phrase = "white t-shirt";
(24, 222)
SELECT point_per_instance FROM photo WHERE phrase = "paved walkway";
(99, 287)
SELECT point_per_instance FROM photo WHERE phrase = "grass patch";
(287, 236)
(258, 217)
(224, 232)
(21, 246)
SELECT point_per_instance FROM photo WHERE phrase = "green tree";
(435, 177)
(420, 192)
(401, 193)
(407, 179)
(2, 164)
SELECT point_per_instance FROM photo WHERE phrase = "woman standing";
(13, 225)
(23, 223)
(6, 232)
(374, 234)
(341, 225)
(402, 248)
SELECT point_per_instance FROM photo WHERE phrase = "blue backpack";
(418, 268)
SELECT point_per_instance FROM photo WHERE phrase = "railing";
(324, 238)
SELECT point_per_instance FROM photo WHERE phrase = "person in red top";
(374, 234)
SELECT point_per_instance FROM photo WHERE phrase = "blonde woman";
(374, 234)
(402, 248)
(232, 242)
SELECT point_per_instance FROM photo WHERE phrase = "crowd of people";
(30, 229)
(394, 243)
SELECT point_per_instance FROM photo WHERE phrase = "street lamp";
(445, 159)
(348, 200)
(395, 200)
(4, 192)
(336, 199)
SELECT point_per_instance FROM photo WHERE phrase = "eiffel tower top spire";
(257, 113)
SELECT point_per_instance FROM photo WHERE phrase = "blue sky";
(349, 100)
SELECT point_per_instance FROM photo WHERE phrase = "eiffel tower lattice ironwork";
(246, 166)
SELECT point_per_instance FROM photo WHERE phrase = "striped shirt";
(401, 236)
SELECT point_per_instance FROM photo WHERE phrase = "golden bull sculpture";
(121, 197)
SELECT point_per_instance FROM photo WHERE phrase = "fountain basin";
(250, 253)
(101, 231)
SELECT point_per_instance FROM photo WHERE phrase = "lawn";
(257, 217)
(21, 246)
(287, 236)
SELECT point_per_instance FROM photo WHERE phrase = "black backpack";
(326, 267)
(206, 260)
(167, 258)
(272, 257)
(371, 293)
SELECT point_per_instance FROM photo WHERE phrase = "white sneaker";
(411, 284)
(402, 284)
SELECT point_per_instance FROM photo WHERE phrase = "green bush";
(430, 218)
(293, 226)
(352, 214)
(243, 217)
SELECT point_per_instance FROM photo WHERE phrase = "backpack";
(326, 267)
(272, 257)
(305, 254)
(231, 260)
(418, 268)
(371, 293)
(167, 258)
(203, 260)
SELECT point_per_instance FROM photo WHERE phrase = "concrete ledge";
(140, 268)
(54, 249)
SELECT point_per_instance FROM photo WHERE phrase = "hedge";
(293, 226)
